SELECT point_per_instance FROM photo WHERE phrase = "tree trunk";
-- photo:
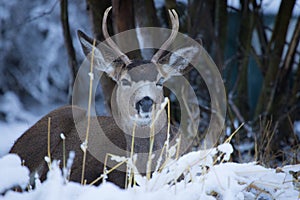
(221, 30)
(145, 16)
(274, 52)
(123, 20)
(244, 51)
(96, 9)
(72, 61)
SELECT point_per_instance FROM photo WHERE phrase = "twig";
(105, 173)
(28, 19)
(62, 136)
(85, 144)
(49, 150)
(131, 157)
(237, 113)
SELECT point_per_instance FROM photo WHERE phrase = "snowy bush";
(34, 62)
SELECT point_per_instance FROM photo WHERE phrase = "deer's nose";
(145, 104)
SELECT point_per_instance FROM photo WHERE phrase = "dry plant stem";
(149, 162)
(89, 112)
(160, 157)
(233, 134)
(191, 176)
(109, 171)
(129, 182)
(237, 113)
(193, 120)
(168, 158)
(62, 136)
(260, 191)
(228, 141)
(178, 147)
(49, 151)
(169, 126)
(166, 144)
(271, 136)
(64, 154)
(104, 168)
(256, 150)
(152, 130)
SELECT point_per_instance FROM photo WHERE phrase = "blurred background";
(254, 43)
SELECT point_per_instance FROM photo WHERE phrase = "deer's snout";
(144, 105)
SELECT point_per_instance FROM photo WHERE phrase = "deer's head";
(139, 91)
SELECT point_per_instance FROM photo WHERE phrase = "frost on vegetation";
(196, 175)
(227, 149)
(62, 136)
(84, 146)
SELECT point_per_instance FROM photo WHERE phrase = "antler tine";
(110, 42)
(175, 26)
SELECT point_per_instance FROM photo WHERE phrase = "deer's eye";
(160, 82)
(125, 82)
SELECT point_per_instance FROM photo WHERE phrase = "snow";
(202, 178)
(227, 149)
(12, 173)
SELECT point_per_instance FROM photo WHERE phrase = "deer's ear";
(178, 62)
(103, 59)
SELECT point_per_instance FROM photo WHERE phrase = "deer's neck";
(130, 128)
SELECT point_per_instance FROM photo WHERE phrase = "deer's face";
(139, 92)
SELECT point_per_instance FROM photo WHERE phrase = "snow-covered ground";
(207, 175)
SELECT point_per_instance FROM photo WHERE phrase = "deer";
(139, 83)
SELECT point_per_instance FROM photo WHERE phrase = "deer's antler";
(110, 42)
(175, 26)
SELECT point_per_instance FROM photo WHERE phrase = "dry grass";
(85, 143)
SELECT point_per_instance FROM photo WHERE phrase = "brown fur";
(32, 145)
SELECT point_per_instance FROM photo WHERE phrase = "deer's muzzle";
(144, 105)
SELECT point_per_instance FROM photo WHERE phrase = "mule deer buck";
(139, 86)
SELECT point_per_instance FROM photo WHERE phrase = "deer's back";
(72, 122)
